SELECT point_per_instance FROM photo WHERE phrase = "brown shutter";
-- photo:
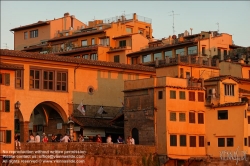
(7, 106)
(201, 141)
(7, 79)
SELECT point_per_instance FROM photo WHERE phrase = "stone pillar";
(189, 59)
(209, 61)
(217, 62)
(167, 59)
(24, 131)
(156, 62)
(200, 60)
(152, 57)
(162, 55)
(178, 58)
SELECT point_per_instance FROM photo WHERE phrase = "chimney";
(66, 14)
(134, 16)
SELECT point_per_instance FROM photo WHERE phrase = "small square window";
(221, 142)
(222, 114)
(230, 142)
(182, 117)
(172, 94)
(172, 116)
(182, 95)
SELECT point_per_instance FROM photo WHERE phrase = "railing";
(119, 48)
(126, 18)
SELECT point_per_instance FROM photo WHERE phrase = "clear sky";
(233, 16)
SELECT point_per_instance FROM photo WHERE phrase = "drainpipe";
(75, 75)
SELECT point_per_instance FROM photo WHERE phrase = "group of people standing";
(129, 141)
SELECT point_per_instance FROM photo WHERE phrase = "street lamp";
(17, 104)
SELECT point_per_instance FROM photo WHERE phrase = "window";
(129, 30)
(172, 116)
(25, 35)
(200, 118)
(117, 58)
(19, 79)
(48, 80)
(182, 117)
(84, 43)
(141, 31)
(181, 73)
(146, 58)
(122, 43)
(34, 33)
(35, 76)
(201, 141)
(208, 143)
(222, 114)
(172, 94)
(183, 140)
(61, 81)
(93, 41)
(93, 57)
(248, 141)
(160, 94)
(221, 142)
(5, 136)
(85, 56)
(168, 53)
(200, 96)
(192, 50)
(104, 42)
(203, 51)
(173, 140)
(248, 118)
(158, 56)
(192, 140)
(191, 96)
(230, 142)
(182, 95)
(191, 117)
(180, 51)
(229, 89)
(249, 74)
(245, 141)
(5, 79)
(4, 105)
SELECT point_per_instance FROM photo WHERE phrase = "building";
(169, 110)
(7, 105)
(207, 44)
(37, 34)
(51, 87)
(106, 40)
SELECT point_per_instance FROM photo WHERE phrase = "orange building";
(39, 33)
(50, 88)
(207, 44)
(106, 40)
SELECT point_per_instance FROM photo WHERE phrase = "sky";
(233, 17)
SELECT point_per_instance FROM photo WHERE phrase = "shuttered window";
(192, 140)
(191, 117)
(201, 141)
(191, 96)
(8, 136)
(200, 96)
(5, 79)
(7, 106)
(173, 140)
(200, 118)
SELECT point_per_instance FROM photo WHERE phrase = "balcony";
(115, 49)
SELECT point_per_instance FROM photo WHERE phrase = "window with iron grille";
(201, 141)
(230, 142)
(182, 117)
(173, 140)
(172, 94)
(229, 89)
(117, 58)
(182, 95)
(191, 96)
(192, 140)
(200, 118)
(221, 142)
(191, 117)
(160, 94)
(183, 140)
(34, 33)
(200, 96)
(172, 116)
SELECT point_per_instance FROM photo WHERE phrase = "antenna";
(173, 20)
(218, 26)
(191, 29)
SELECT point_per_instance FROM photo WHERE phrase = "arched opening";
(135, 135)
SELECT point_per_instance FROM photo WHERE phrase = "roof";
(78, 35)
(244, 90)
(39, 23)
(52, 57)
(227, 105)
(10, 66)
(127, 35)
(221, 78)
(92, 122)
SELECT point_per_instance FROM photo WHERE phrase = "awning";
(182, 157)
(93, 132)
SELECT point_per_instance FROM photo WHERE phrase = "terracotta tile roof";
(244, 90)
(52, 57)
(10, 66)
(92, 122)
(227, 105)
(221, 78)
(39, 23)
(80, 49)
(127, 35)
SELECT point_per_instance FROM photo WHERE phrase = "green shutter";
(7, 106)
(7, 79)
(8, 136)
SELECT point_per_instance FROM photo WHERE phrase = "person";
(98, 138)
(53, 138)
(132, 141)
(120, 140)
(109, 139)
(17, 142)
(129, 140)
(37, 138)
(80, 138)
(32, 138)
(65, 138)
(45, 139)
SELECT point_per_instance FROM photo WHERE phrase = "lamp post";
(17, 105)
(71, 128)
